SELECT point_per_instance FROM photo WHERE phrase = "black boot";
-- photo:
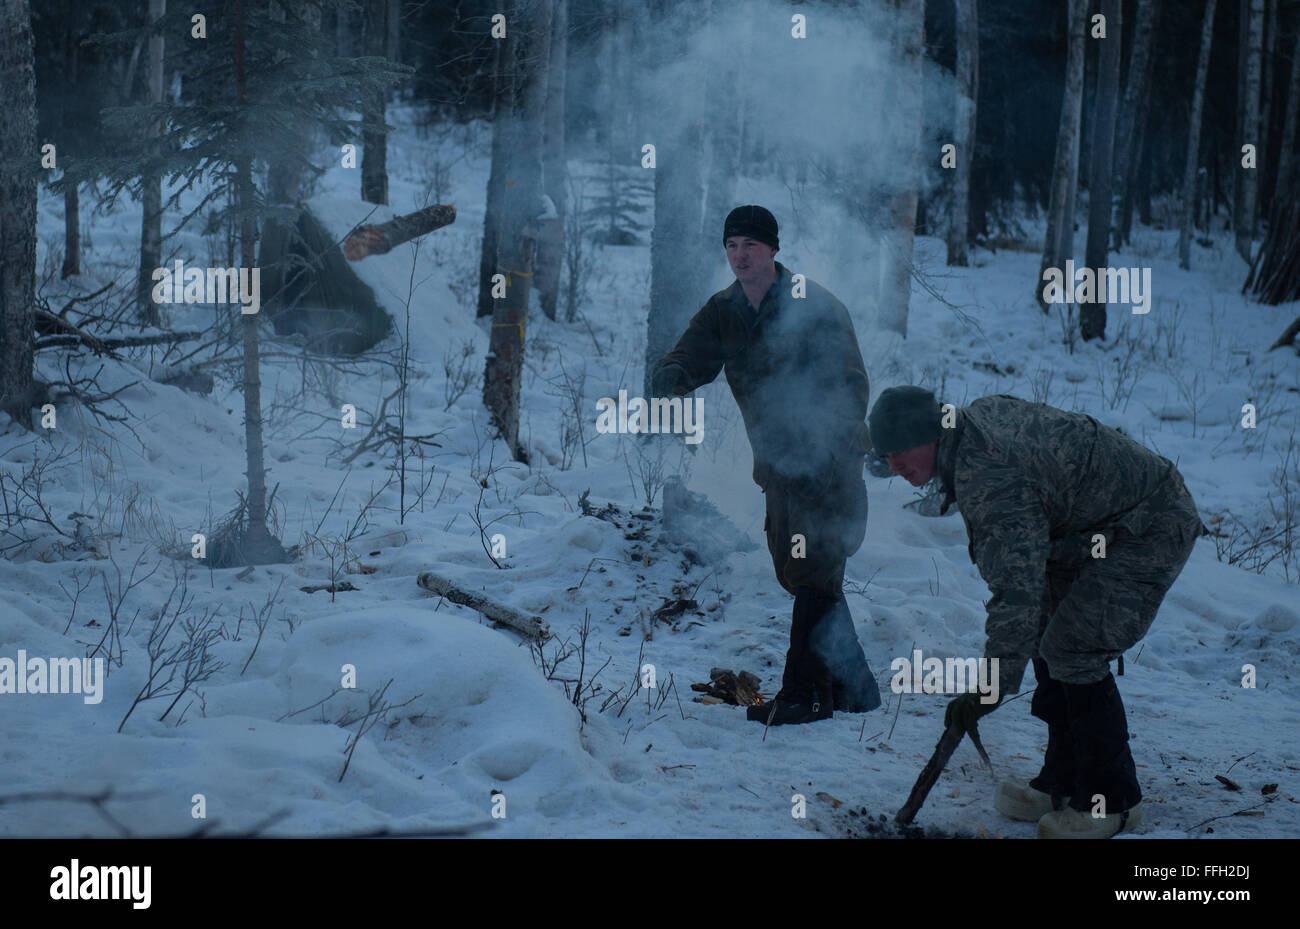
(785, 710)
(1057, 776)
(854, 688)
(1103, 763)
(806, 689)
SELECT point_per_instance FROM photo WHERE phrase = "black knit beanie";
(752, 221)
(903, 418)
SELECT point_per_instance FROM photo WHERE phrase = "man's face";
(751, 261)
(915, 465)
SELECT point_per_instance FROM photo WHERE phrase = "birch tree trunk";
(1253, 13)
(899, 236)
(676, 278)
(1092, 316)
(720, 151)
(503, 71)
(1132, 119)
(1194, 138)
(550, 248)
(521, 201)
(18, 156)
(968, 81)
(1058, 244)
(151, 196)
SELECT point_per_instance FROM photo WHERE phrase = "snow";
(471, 712)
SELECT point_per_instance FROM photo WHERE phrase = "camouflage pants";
(1095, 611)
(832, 526)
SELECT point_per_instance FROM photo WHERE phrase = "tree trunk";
(523, 193)
(550, 247)
(1132, 120)
(677, 268)
(1286, 153)
(374, 138)
(1275, 278)
(1252, 12)
(968, 79)
(1268, 166)
(260, 547)
(151, 196)
(342, 32)
(502, 105)
(676, 290)
(1058, 245)
(1194, 137)
(393, 35)
(899, 237)
(283, 190)
(71, 231)
(71, 195)
(1092, 316)
(720, 150)
(18, 155)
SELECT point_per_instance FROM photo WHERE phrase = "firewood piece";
(531, 626)
(930, 774)
(725, 686)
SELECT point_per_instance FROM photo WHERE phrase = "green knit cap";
(903, 418)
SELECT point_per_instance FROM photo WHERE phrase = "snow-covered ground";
(468, 724)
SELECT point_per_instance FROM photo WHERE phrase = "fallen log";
(531, 626)
(384, 237)
(57, 332)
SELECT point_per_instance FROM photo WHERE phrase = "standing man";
(1078, 531)
(793, 365)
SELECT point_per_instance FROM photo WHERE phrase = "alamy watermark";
(920, 675)
(180, 284)
(53, 676)
(675, 415)
(103, 882)
(1088, 285)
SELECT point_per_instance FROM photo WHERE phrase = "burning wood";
(726, 686)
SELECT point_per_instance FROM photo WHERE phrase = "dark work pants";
(809, 538)
(1092, 613)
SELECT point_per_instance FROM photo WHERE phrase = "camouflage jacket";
(1034, 484)
(795, 370)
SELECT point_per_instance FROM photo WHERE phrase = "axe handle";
(930, 774)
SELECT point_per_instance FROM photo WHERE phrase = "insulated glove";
(669, 381)
(965, 710)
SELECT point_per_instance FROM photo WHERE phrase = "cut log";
(384, 237)
(531, 626)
